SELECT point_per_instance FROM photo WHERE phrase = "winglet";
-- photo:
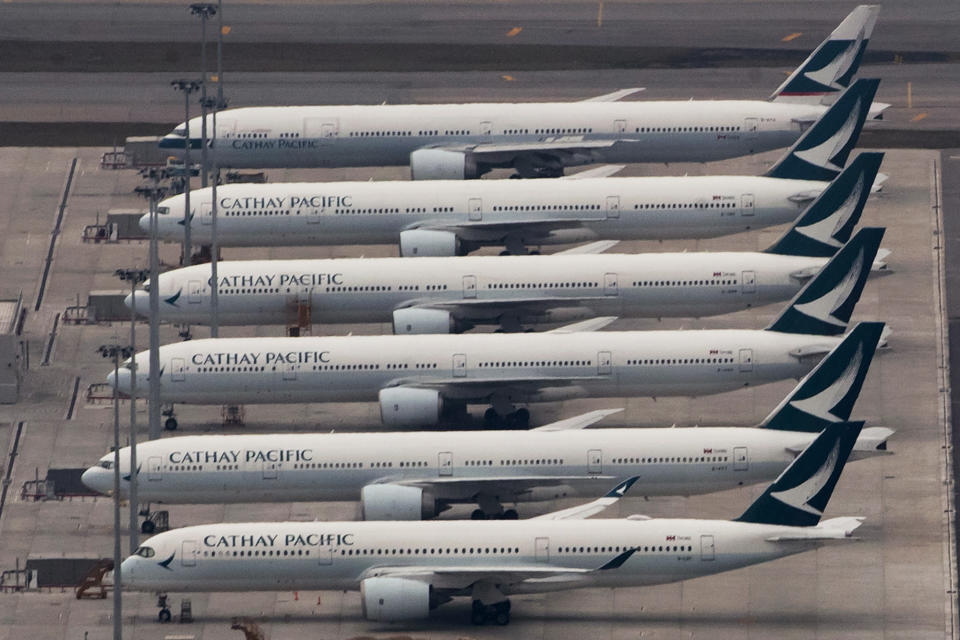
(829, 221)
(581, 421)
(618, 561)
(825, 304)
(799, 496)
(833, 64)
(822, 151)
(583, 511)
(827, 394)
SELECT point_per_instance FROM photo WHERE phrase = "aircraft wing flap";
(614, 96)
(467, 488)
(475, 308)
(481, 388)
(552, 143)
(464, 576)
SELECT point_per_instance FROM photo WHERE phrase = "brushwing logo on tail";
(824, 230)
(826, 305)
(838, 67)
(800, 495)
(822, 155)
(822, 404)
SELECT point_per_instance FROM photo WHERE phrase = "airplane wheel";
(478, 514)
(534, 253)
(502, 618)
(164, 616)
(491, 418)
(520, 419)
(170, 424)
(510, 514)
(148, 527)
(505, 253)
(479, 614)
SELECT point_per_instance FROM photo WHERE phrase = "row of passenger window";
(683, 129)
(682, 283)
(669, 460)
(539, 363)
(680, 361)
(547, 207)
(540, 285)
(687, 205)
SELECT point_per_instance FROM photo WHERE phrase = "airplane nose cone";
(145, 223)
(128, 572)
(96, 478)
(139, 301)
(121, 382)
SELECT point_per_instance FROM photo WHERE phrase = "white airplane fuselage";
(473, 368)
(487, 212)
(339, 555)
(385, 135)
(481, 289)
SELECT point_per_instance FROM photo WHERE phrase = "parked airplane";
(409, 476)
(453, 218)
(457, 141)
(405, 569)
(415, 377)
(451, 295)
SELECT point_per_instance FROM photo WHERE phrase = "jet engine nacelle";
(424, 243)
(396, 502)
(407, 407)
(394, 599)
(441, 164)
(410, 321)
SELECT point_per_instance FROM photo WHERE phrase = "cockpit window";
(126, 363)
(180, 131)
(163, 211)
(106, 464)
(146, 552)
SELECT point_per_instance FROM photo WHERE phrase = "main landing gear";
(508, 514)
(490, 606)
(492, 509)
(517, 419)
(163, 616)
(170, 424)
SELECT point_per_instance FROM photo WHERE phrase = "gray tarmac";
(898, 582)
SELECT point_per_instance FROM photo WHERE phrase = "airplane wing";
(615, 95)
(481, 389)
(603, 171)
(592, 247)
(466, 489)
(582, 421)
(459, 577)
(593, 324)
(491, 308)
(497, 230)
(583, 511)
(570, 144)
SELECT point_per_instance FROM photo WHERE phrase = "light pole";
(134, 277)
(153, 192)
(221, 103)
(204, 10)
(188, 87)
(214, 245)
(116, 352)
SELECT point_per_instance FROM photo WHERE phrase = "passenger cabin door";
(613, 206)
(469, 287)
(288, 371)
(610, 285)
(746, 204)
(226, 127)
(194, 291)
(748, 283)
(542, 549)
(445, 463)
(750, 128)
(604, 363)
(325, 555)
(154, 467)
(707, 549)
(189, 551)
(595, 461)
(313, 215)
(324, 129)
(741, 461)
(746, 360)
(485, 128)
(459, 365)
(177, 369)
(620, 126)
(271, 470)
(206, 214)
(475, 209)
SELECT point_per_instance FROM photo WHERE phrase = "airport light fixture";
(116, 352)
(134, 277)
(204, 10)
(153, 192)
(188, 87)
(221, 103)
(214, 245)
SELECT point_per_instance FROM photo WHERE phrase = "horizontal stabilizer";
(832, 529)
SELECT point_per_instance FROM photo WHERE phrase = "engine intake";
(441, 164)
(408, 407)
(414, 321)
(394, 599)
(424, 243)
(397, 502)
